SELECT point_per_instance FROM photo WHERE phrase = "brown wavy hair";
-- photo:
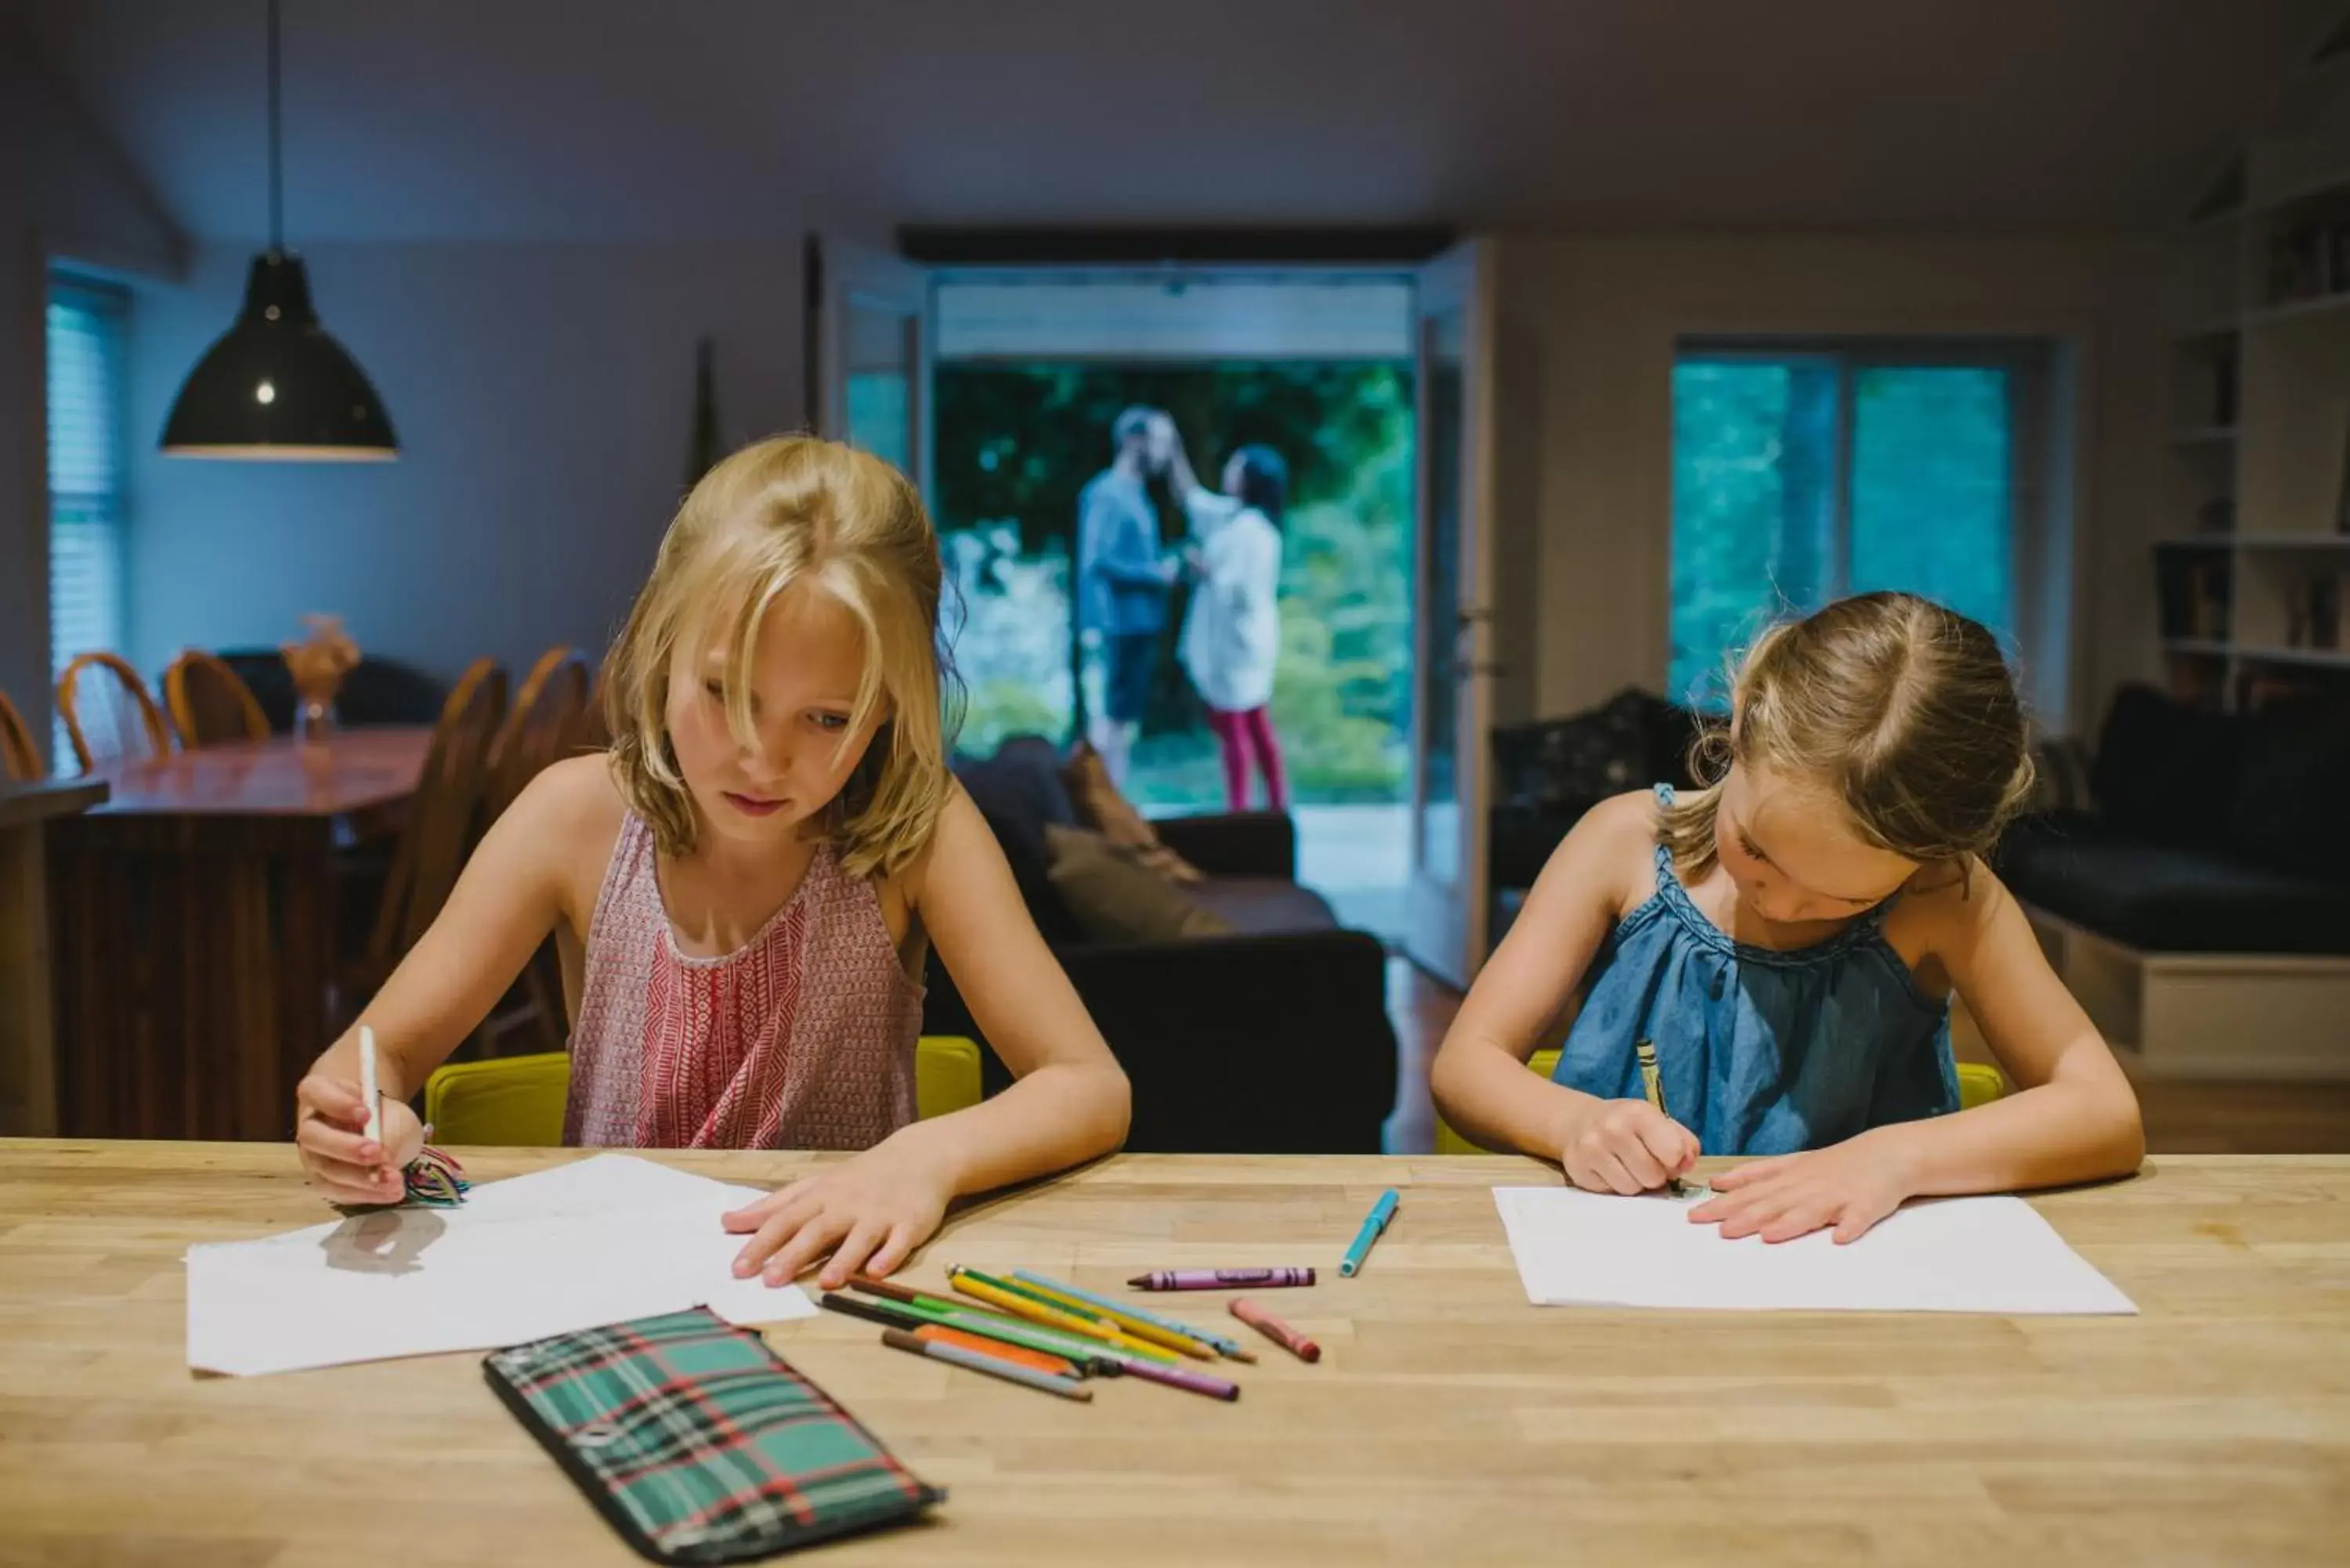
(788, 510)
(1903, 710)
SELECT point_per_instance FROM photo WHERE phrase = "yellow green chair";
(516, 1102)
(1979, 1085)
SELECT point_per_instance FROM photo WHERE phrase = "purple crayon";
(1221, 1279)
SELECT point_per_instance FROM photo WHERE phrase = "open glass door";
(869, 343)
(1453, 631)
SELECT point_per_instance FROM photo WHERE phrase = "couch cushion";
(1116, 898)
(1099, 806)
(1263, 905)
(1568, 765)
(2166, 773)
(2166, 898)
(2291, 790)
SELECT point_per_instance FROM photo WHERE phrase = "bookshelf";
(2253, 576)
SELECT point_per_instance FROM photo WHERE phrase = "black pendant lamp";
(275, 387)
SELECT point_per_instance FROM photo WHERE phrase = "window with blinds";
(87, 409)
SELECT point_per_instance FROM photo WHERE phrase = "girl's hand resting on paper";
(868, 1214)
(1627, 1146)
(341, 1161)
(1851, 1185)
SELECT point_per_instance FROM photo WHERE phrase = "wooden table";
(197, 925)
(1448, 1422)
(28, 1063)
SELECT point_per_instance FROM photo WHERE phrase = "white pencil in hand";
(368, 1090)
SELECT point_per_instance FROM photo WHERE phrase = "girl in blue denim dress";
(1787, 942)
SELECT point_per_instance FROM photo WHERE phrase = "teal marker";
(1381, 1212)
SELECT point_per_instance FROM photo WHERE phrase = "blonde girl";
(744, 888)
(1788, 939)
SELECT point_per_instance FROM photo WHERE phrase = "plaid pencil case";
(698, 1442)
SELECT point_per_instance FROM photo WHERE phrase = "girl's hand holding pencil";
(331, 1136)
(1627, 1146)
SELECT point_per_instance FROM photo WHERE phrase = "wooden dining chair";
(440, 830)
(19, 762)
(547, 723)
(210, 703)
(109, 716)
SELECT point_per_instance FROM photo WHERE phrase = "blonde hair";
(1902, 709)
(793, 509)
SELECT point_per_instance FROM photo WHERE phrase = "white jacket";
(1231, 638)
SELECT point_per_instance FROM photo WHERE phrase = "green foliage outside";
(1755, 482)
(1016, 443)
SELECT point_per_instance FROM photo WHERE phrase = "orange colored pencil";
(1035, 1360)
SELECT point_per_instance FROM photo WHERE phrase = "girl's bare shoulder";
(576, 794)
(1629, 818)
(1945, 907)
(569, 818)
(1612, 849)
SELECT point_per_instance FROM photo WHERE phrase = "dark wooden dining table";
(196, 919)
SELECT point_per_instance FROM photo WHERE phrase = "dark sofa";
(2206, 831)
(1274, 1039)
(1548, 774)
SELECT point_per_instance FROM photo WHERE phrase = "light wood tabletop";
(1448, 1421)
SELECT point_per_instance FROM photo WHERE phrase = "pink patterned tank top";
(802, 1038)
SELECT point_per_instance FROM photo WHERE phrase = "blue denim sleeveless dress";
(1760, 1051)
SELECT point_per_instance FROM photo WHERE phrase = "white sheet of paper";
(1952, 1254)
(593, 1241)
(600, 1184)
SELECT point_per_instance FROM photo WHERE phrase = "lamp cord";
(277, 173)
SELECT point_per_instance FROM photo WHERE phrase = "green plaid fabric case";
(698, 1442)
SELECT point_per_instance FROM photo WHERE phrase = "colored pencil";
(994, 1366)
(1117, 1317)
(1000, 1293)
(1133, 1316)
(1034, 1360)
(1274, 1329)
(1088, 1354)
(979, 1287)
(1185, 1378)
(920, 1301)
(892, 1290)
(887, 1315)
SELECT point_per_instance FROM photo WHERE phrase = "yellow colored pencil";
(1135, 1327)
(1054, 1317)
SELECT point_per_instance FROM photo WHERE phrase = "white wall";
(64, 195)
(1589, 327)
(542, 398)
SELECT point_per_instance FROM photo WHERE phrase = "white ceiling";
(530, 119)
